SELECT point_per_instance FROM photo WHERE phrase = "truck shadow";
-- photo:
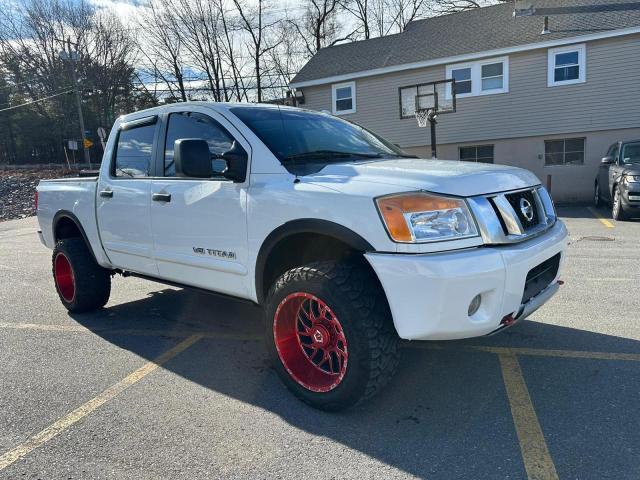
(446, 413)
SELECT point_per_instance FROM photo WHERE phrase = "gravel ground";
(17, 190)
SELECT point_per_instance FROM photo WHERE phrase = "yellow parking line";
(634, 357)
(79, 413)
(535, 453)
(603, 220)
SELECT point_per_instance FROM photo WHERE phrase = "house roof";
(485, 29)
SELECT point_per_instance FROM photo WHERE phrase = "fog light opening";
(474, 305)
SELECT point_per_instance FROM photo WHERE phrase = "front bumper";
(429, 295)
(631, 195)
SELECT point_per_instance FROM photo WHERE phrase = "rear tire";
(330, 335)
(81, 283)
(617, 210)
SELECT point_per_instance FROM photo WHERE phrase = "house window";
(566, 151)
(462, 76)
(476, 153)
(492, 76)
(484, 77)
(567, 65)
(343, 98)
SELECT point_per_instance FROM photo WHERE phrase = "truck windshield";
(299, 137)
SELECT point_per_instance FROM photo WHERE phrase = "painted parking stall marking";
(607, 223)
(535, 453)
(82, 411)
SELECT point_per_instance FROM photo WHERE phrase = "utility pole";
(72, 58)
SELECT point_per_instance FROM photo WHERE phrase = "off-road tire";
(90, 285)
(356, 297)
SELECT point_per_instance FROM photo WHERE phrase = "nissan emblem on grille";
(526, 208)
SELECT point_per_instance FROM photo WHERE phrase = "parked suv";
(348, 243)
(618, 181)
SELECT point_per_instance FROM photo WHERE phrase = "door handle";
(106, 193)
(161, 197)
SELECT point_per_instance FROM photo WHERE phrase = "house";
(548, 88)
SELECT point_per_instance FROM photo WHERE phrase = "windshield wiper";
(331, 154)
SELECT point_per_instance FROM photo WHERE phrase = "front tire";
(597, 200)
(330, 335)
(81, 283)
(617, 210)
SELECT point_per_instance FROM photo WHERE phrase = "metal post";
(432, 120)
(74, 79)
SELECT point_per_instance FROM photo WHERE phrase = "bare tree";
(361, 12)
(318, 25)
(402, 12)
(200, 32)
(455, 6)
(252, 21)
(163, 47)
(36, 76)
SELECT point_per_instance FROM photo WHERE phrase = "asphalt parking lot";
(171, 383)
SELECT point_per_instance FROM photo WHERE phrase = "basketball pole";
(432, 121)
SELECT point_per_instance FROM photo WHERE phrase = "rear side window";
(133, 154)
(196, 125)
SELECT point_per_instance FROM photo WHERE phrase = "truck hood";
(439, 176)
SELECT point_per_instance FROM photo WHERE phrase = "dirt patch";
(18, 189)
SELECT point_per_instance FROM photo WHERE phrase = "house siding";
(569, 183)
(609, 99)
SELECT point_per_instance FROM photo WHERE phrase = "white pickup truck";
(347, 242)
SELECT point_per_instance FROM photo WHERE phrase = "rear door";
(200, 225)
(124, 198)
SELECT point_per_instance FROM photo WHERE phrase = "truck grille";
(525, 207)
(515, 216)
(540, 277)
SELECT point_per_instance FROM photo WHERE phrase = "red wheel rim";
(310, 342)
(64, 277)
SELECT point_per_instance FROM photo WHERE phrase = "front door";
(124, 198)
(199, 225)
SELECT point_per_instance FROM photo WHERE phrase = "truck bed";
(74, 197)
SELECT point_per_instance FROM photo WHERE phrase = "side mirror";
(237, 159)
(192, 158)
(606, 160)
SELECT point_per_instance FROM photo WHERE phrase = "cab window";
(133, 151)
(196, 125)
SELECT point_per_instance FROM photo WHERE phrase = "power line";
(66, 87)
(36, 101)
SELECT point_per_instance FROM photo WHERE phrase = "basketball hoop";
(433, 99)
(422, 116)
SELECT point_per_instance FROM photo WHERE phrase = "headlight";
(632, 178)
(422, 217)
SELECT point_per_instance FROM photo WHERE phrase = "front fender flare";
(304, 225)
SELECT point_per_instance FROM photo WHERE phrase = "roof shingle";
(482, 29)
